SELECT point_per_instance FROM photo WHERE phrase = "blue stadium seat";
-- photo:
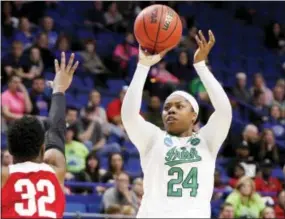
(278, 173)
(134, 165)
(3, 141)
(75, 207)
(116, 85)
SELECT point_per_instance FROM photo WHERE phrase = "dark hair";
(94, 175)
(39, 78)
(110, 161)
(25, 138)
(71, 109)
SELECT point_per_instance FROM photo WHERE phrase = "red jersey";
(32, 191)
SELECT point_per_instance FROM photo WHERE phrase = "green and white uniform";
(178, 172)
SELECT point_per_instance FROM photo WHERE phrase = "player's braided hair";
(25, 138)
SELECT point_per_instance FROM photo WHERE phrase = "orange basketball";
(158, 27)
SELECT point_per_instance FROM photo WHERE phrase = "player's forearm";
(215, 91)
(56, 133)
(130, 112)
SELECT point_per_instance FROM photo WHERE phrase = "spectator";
(40, 100)
(114, 108)
(95, 15)
(274, 37)
(280, 205)
(91, 173)
(239, 172)
(62, 45)
(9, 22)
(36, 61)
(268, 213)
(47, 26)
(227, 211)
(113, 17)
(260, 86)
(182, 69)
(245, 200)
(138, 189)
(114, 210)
(260, 110)
(92, 63)
(250, 137)
(153, 113)
(100, 115)
(163, 81)
(25, 34)
(17, 63)
(120, 194)
(128, 210)
(15, 100)
(275, 122)
(269, 148)
(242, 157)
(218, 184)
(240, 91)
(91, 133)
(124, 51)
(116, 163)
(189, 41)
(279, 96)
(47, 56)
(75, 153)
(6, 159)
(265, 182)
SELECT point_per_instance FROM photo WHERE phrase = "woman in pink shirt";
(15, 100)
(124, 51)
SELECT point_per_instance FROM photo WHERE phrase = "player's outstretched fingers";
(74, 67)
(203, 39)
(62, 62)
(199, 42)
(212, 39)
(70, 62)
(56, 66)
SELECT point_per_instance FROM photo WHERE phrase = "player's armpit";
(4, 175)
(140, 132)
(217, 127)
(56, 160)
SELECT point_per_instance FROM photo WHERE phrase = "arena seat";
(74, 207)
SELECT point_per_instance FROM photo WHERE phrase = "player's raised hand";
(204, 47)
(147, 59)
(64, 73)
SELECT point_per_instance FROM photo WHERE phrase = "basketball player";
(178, 164)
(32, 186)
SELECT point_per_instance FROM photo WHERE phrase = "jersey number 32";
(29, 191)
(188, 182)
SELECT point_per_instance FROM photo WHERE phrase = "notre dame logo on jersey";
(182, 155)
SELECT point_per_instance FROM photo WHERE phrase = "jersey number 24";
(189, 182)
(30, 195)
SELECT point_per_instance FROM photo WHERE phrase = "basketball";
(158, 27)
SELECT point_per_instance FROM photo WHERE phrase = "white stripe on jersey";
(28, 167)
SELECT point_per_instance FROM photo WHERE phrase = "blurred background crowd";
(104, 172)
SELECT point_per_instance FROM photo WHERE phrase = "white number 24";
(30, 195)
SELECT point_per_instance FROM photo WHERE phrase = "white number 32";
(30, 195)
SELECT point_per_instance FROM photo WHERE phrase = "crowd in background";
(95, 131)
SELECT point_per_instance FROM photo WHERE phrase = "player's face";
(177, 115)
(268, 213)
